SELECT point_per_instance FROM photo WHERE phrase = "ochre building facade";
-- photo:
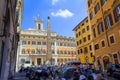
(83, 41)
(104, 19)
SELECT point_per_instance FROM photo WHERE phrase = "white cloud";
(54, 2)
(62, 13)
(29, 28)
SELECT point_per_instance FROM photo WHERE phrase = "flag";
(39, 51)
(36, 49)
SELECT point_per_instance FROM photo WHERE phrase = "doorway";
(38, 61)
(106, 62)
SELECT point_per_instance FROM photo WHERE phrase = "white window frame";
(114, 39)
(117, 56)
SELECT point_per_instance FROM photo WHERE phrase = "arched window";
(33, 51)
(44, 51)
(23, 42)
(85, 50)
(61, 52)
(65, 52)
(28, 51)
(68, 52)
(39, 26)
(23, 51)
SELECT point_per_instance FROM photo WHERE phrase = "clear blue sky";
(64, 14)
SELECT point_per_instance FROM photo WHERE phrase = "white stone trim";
(101, 43)
(117, 56)
(114, 39)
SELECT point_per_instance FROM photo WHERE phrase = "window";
(87, 21)
(103, 2)
(88, 37)
(61, 52)
(23, 42)
(97, 8)
(28, 51)
(88, 28)
(85, 50)
(33, 51)
(81, 51)
(82, 24)
(76, 35)
(116, 12)
(91, 54)
(28, 42)
(44, 43)
(33, 43)
(52, 44)
(44, 51)
(96, 46)
(71, 52)
(94, 32)
(77, 42)
(69, 44)
(23, 51)
(112, 40)
(68, 52)
(60, 44)
(64, 44)
(116, 58)
(89, 3)
(84, 39)
(83, 30)
(79, 33)
(80, 41)
(108, 21)
(65, 52)
(39, 43)
(100, 28)
(39, 26)
(90, 47)
(103, 43)
(91, 15)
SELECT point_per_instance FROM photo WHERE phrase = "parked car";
(27, 64)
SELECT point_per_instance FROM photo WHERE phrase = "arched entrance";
(87, 60)
(105, 62)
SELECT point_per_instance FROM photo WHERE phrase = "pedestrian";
(82, 76)
(110, 68)
(100, 68)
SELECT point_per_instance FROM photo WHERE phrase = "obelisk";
(49, 54)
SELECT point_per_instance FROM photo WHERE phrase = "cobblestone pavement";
(20, 76)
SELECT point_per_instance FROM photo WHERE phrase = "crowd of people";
(77, 72)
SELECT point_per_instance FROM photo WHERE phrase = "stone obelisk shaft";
(48, 55)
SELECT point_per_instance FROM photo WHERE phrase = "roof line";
(80, 23)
